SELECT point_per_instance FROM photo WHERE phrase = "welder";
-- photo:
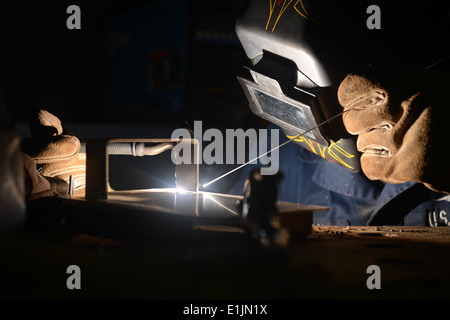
(391, 86)
(398, 111)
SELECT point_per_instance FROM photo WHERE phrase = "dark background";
(44, 64)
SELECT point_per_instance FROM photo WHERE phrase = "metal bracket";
(97, 166)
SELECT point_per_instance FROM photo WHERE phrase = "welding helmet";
(300, 51)
(12, 181)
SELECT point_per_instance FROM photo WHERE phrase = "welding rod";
(135, 149)
(277, 147)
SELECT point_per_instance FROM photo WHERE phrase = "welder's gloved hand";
(55, 152)
(402, 122)
(38, 186)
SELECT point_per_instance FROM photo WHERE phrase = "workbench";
(217, 262)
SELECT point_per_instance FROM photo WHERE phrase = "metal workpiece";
(167, 213)
(97, 161)
(97, 170)
(171, 213)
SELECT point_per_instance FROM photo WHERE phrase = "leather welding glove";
(402, 122)
(38, 186)
(55, 152)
